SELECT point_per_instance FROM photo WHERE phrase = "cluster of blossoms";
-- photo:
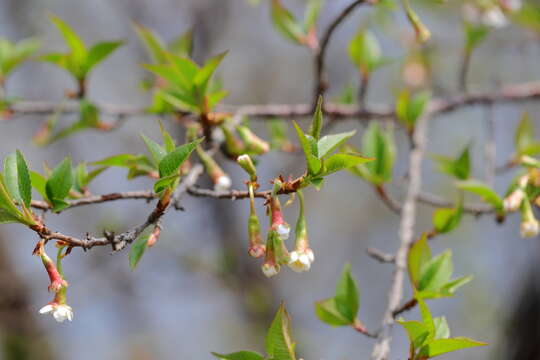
(525, 194)
(58, 307)
(275, 251)
(490, 13)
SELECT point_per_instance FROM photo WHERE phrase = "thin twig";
(320, 57)
(381, 349)
(490, 150)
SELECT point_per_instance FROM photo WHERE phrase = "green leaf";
(447, 219)
(443, 346)
(474, 35)
(482, 190)
(38, 182)
(24, 182)
(7, 204)
(168, 141)
(419, 256)
(278, 133)
(379, 145)
(451, 286)
(427, 319)
(317, 122)
(442, 331)
(365, 52)
(6, 217)
(347, 298)
(437, 272)
(279, 342)
(524, 136)
(329, 143)
(203, 76)
(98, 53)
(156, 150)
(137, 251)
(182, 45)
(240, 355)
(11, 178)
(460, 168)
(416, 331)
(327, 311)
(410, 108)
(152, 42)
(172, 161)
(311, 14)
(313, 164)
(59, 184)
(285, 22)
(75, 44)
(165, 182)
(12, 55)
(339, 162)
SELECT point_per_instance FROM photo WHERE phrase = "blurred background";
(197, 291)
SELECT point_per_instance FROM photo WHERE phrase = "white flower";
(301, 260)
(513, 201)
(223, 183)
(283, 231)
(60, 312)
(529, 228)
(270, 270)
(492, 16)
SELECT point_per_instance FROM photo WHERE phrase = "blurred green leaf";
(409, 107)
(460, 168)
(365, 52)
(98, 52)
(137, 251)
(484, 191)
(317, 122)
(152, 42)
(13, 54)
(279, 342)
(418, 257)
(443, 346)
(240, 355)
(285, 22)
(447, 219)
(339, 162)
(75, 44)
(24, 182)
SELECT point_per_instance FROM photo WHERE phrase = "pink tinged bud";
(60, 312)
(529, 228)
(256, 247)
(278, 224)
(57, 281)
(154, 236)
(513, 201)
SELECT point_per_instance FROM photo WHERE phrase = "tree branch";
(381, 349)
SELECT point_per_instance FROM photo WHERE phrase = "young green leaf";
(59, 184)
(417, 332)
(182, 45)
(24, 182)
(419, 256)
(285, 22)
(317, 122)
(165, 182)
(13, 54)
(156, 150)
(327, 311)
(205, 73)
(38, 182)
(172, 161)
(279, 342)
(11, 178)
(365, 52)
(347, 297)
(313, 163)
(329, 143)
(98, 52)
(311, 14)
(474, 35)
(447, 219)
(75, 44)
(409, 107)
(443, 346)
(137, 251)
(240, 355)
(436, 272)
(379, 145)
(460, 168)
(154, 45)
(524, 136)
(442, 331)
(339, 162)
(484, 191)
(11, 211)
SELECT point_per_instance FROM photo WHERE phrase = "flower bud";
(232, 146)
(270, 266)
(253, 143)
(247, 164)
(57, 281)
(277, 223)
(529, 228)
(513, 201)
(154, 236)
(302, 257)
(256, 247)
(221, 180)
